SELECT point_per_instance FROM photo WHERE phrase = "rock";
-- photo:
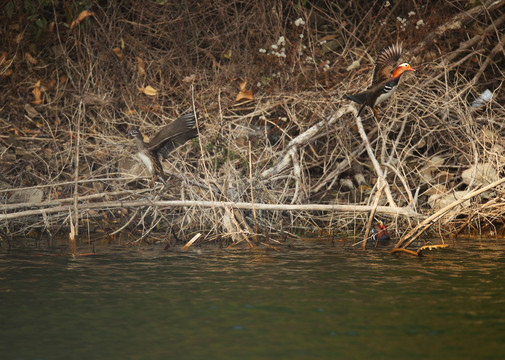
(437, 189)
(354, 65)
(346, 184)
(481, 175)
(360, 179)
(439, 201)
(432, 165)
(26, 196)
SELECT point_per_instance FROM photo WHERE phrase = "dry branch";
(457, 22)
(447, 62)
(296, 122)
(498, 47)
(381, 181)
(406, 240)
(302, 140)
(395, 211)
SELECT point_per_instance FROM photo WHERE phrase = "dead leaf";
(118, 53)
(4, 62)
(71, 235)
(3, 57)
(30, 110)
(50, 28)
(141, 66)
(83, 15)
(18, 38)
(149, 91)
(101, 155)
(130, 112)
(227, 55)
(190, 78)
(37, 93)
(48, 85)
(63, 79)
(243, 93)
(31, 59)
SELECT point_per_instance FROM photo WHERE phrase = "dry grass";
(196, 54)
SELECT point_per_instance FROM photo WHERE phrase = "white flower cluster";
(387, 4)
(411, 13)
(420, 23)
(279, 46)
(278, 49)
(403, 23)
(301, 47)
(299, 22)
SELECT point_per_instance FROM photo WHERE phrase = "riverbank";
(279, 151)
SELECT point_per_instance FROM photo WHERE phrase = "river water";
(306, 301)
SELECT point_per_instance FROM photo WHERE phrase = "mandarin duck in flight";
(386, 76)
(163, 143)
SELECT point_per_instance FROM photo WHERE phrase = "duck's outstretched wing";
(386, 62)
(174, 135)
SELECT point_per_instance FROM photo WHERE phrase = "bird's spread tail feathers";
(359, 98)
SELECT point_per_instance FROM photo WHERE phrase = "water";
(308, 301)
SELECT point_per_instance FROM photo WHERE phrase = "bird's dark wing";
(170, 144)
(386, 63)
(370, 96)
(174, 135)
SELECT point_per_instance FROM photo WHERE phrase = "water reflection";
(310, 300)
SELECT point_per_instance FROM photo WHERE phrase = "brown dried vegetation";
(268, 79)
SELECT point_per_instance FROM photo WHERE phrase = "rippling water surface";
(307, 301)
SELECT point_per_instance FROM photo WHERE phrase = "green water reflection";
(311, 301)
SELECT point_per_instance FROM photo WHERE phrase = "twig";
(381, 184)
(302, 140)
(402, 180)
(498, 47)
(126, 224)
(342, 165)
(406, 240)
(237, 226)
(372, 157)
(75, 221)
(448, 60)
(457, 22)
(252, 192)
(190, 242)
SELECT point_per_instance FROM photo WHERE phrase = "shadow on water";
(311, 301)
